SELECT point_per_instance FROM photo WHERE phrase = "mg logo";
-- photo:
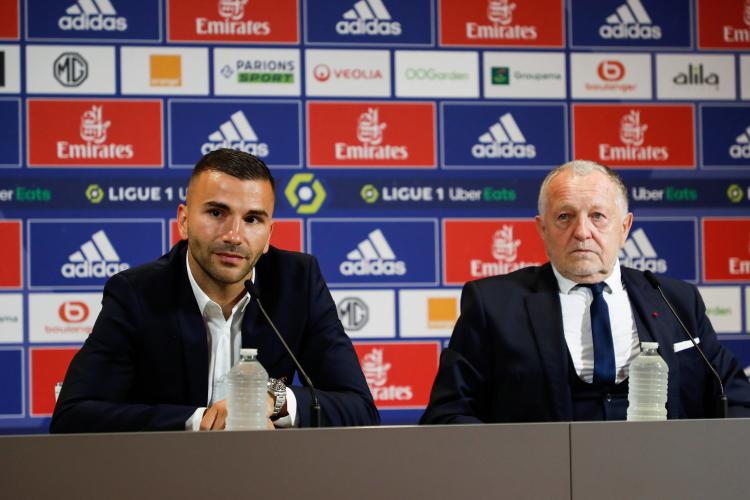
(73, 311)
(353, 313)
(70, 69)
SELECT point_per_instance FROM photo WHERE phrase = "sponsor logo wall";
(408, 140)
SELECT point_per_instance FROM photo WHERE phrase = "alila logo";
(92, 15)
(740, 150)
(632, 136)
(630, 21)
(503, 140)
(93, 131)
(500, 14)
(368, 17)
(696, 75)
(97, 258)
(370, 135)
(373, 257)
(639, 253)
(505, 253)
(232, 22)
(236, 133)
(733, 34)
(376, 370)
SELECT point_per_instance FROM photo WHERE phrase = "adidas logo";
(503, 140)
(630, 21)
(92, 15)
(368, 17)
(97, 258)
(741, 148)
(639, 253)
(236, 133)
(373, 257)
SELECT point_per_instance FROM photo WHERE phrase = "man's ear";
(540, 227)
(182, 216)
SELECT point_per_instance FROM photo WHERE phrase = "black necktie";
(601, 333)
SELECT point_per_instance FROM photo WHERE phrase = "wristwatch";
(277, 389)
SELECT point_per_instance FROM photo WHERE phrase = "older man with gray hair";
(554, 342)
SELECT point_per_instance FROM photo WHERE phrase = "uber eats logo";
(305, 193)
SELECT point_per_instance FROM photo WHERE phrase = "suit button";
(609, 398)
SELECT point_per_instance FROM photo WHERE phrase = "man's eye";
(214, 212)
(252, 220)
(598, 216)
(562, 217)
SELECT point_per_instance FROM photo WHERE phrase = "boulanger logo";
(73, 311)
(93, 131)
(368, 17)
(353, 313)
(630, 21)
(97, 258)
(92, 15)
(504, 139)
(373, 257)
(632, 136)
(639, 253)
(611, 70)
(231, 22)
(70, 69)
(370, 134)
(94, 193)
(236, 133)
(305, 193)
(500, 15)
(741, 147)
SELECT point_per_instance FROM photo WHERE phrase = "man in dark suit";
(170, 331)
(530, 346)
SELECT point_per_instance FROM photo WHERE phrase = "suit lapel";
(652, 319)
(543, 307)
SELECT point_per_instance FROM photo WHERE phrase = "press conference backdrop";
(408, 139)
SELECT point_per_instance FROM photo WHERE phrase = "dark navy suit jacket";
(508, 360)
(145, 365)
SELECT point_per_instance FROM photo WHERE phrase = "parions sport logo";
(368, 17)
(92, 15)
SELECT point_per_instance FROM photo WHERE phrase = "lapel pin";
(654, 314)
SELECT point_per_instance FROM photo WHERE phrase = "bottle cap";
(649, 345)
(248, 352)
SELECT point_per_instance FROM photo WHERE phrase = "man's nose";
(232, 230)
(582, 228)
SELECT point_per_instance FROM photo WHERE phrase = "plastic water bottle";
(647, 388)
(247, 393)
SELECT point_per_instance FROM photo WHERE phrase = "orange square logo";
(441, 312)
(166, 70)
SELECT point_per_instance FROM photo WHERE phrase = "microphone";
(315, 419)
(722, 404)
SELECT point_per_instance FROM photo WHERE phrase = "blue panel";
(726, 136)
(496, 135)
(358, 22)
(631, 23)
(650, 246)
(200, 127)
(85, 254)
(11, 388)
(131, 20)
(10, 147)
(375, 252)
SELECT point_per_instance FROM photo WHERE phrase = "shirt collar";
(613, 281)
(203, 299)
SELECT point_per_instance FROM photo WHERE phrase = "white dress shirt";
(224, 344)
(576, 302)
